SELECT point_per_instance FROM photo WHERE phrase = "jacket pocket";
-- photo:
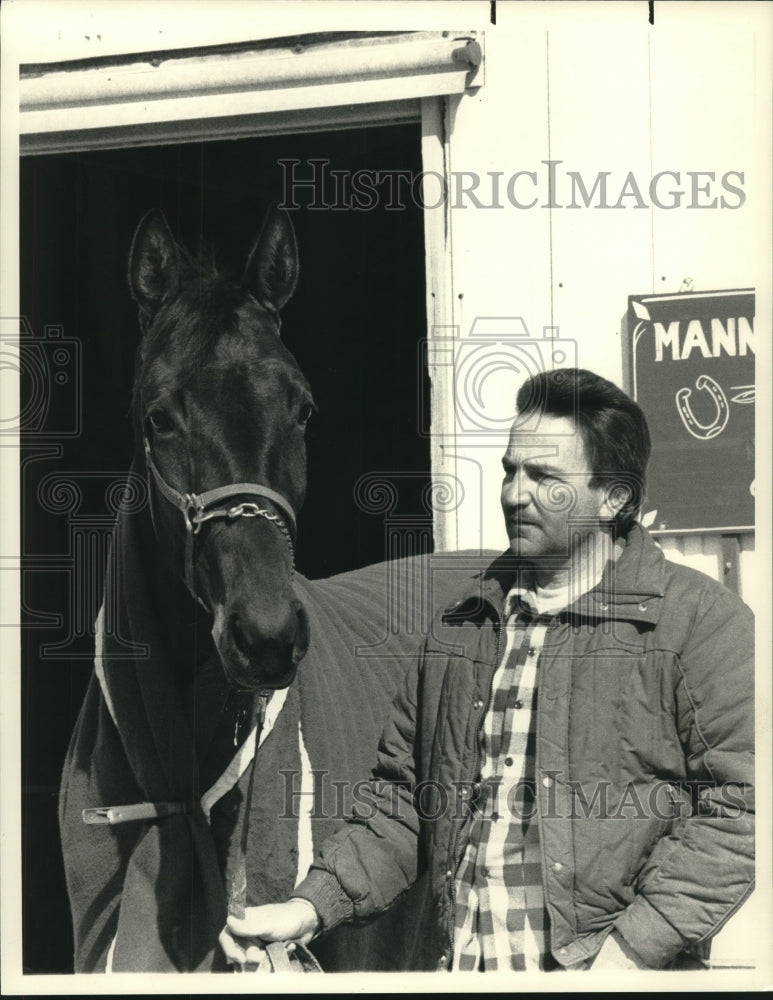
(670, 805)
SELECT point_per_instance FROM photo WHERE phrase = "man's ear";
(617, 494)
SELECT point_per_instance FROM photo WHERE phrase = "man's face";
(546, 493)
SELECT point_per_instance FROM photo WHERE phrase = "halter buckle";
(193, 513)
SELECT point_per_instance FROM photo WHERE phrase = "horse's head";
(221, 407)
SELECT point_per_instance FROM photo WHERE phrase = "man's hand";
(242, 939)
(616, 953)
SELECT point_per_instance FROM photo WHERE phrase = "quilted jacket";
(644, 765)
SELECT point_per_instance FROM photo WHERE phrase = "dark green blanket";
(158, 725)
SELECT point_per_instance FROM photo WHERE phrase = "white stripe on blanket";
(110, 953)
(244, 755)
(99, 645)
(242, 761)
(305, 842)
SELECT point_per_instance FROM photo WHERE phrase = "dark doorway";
(354, 325)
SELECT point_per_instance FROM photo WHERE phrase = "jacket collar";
(631, 588)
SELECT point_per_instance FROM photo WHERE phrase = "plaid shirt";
(500, 920)
(500, 916)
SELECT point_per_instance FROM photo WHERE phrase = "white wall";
(599, 89)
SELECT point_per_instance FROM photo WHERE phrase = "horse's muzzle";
(261, 650)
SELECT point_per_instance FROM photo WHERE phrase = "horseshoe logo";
(698, 430)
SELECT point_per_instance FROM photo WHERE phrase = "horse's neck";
(184, 624)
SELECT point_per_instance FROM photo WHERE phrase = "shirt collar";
(632, 587)
(549, 600)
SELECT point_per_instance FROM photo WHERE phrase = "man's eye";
(160, 422)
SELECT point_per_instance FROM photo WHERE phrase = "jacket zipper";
(452, 854)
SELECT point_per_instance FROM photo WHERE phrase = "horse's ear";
(271, 273)
(154, 264)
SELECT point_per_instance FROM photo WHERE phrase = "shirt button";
(642, 607)
(478, 703)
(557, 866)
(484, 872)
(494, 817)
(547, 781)
(532, 651)
(442, 962)
(518, 704)
(604, 607)
(449, 874)
(508, 761)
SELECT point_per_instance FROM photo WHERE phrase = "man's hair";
(613, 427)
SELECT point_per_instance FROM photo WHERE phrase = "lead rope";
(237, 899)
(277, 958)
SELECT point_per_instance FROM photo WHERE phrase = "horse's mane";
(204, 308)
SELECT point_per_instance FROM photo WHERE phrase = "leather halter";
(197, 508)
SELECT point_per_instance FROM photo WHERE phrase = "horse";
(212, 758)
(215, 375)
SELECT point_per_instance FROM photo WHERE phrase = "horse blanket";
(159, 725)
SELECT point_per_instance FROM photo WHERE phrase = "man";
(576, 775)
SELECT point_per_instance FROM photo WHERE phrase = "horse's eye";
(160, 422)
(305, 415)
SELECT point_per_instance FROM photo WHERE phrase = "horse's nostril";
(264, 647)
(256, 636)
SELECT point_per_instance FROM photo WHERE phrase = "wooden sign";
(691, 369)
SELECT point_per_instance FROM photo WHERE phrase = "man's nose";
(516, 492)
